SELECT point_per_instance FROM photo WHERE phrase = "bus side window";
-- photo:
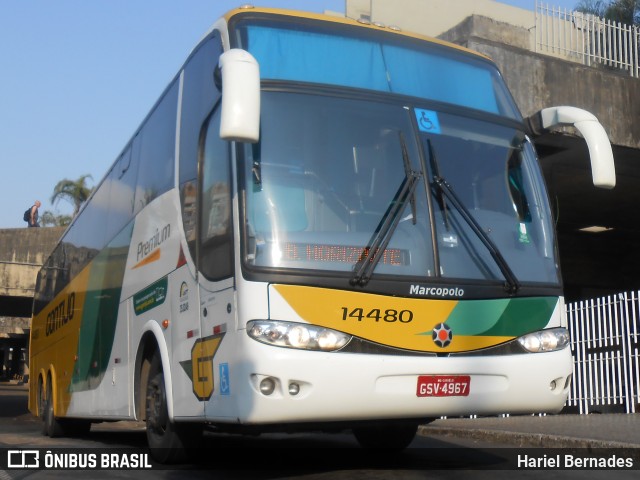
(199, 96)
(157, 150)
(122, 187)
(216, 249)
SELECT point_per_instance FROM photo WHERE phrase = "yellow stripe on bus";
(54, 340)
(397, 322)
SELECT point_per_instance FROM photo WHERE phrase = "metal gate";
(604, 343)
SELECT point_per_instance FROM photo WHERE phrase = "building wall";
(22, 253)
(538, 81)
(434, 17)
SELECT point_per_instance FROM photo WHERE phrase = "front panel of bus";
(396, 248)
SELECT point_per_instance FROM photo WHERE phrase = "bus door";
(217, 313)
(215, 262)
(185, 351)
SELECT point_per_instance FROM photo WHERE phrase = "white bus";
(320, 224)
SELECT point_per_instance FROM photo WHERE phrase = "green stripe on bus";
(501, 317)
(100, 313)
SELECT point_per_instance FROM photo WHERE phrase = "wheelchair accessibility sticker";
(427, 121)
(225, 388)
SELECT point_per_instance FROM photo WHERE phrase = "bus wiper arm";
(406, 161)
(511, 285)
(435, 165)
(378, 242)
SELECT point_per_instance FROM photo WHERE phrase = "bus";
(322, 224)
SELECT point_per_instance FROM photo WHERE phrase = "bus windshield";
(375, 60)
(320, 183)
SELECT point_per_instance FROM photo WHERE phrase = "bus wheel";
(52, 426)
(168, 441)
(75, 427)
(42, 406)
(389, 437)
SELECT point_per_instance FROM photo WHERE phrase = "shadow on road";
(264, 456)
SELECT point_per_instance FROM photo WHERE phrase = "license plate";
(443, 385)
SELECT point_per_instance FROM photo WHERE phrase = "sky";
(77, 77)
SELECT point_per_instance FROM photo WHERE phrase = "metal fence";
(605, 335)
(586, 38)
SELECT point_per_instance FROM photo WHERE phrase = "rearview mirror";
(602, 166)
(240, 119)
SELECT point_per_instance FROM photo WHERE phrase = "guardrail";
(587, 39)
(605, 343)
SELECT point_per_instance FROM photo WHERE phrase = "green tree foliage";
(624, 11)
(593, 7)
(50, 219)
(75, 192)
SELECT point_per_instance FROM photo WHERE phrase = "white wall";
(433, 17)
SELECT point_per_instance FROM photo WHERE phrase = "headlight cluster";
(545, 340)
(296, 335)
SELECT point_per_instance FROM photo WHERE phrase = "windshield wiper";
(435, 167)
(511, 282)
(378, 242)
(256, 167)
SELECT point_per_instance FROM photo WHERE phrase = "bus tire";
(75, 427)
(42, 405)
(388, 437)
(169, 442)
(51, 425)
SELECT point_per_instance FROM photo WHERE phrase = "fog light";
(267, 386)
(294, 389)
(552, 385)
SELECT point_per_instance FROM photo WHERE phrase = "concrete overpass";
(592, 264)
(22, 253)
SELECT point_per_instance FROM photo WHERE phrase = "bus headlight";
(548, 340)
(296, 335)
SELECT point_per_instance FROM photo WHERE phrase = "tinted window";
(199, 95)
(216, 252)
(157, 150)
(310, 51)
(122, 187)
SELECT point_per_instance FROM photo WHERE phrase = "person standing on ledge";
(33, 218)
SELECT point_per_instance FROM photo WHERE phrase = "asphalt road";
(489, 447)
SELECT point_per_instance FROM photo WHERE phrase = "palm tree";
(50, 219)
(74, 191)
